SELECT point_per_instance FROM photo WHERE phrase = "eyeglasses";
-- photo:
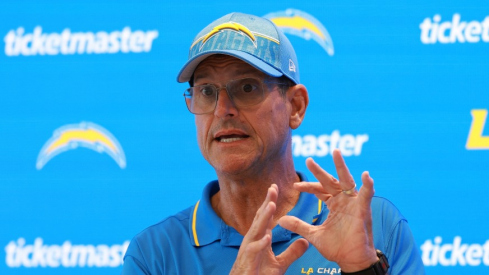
(202, 99)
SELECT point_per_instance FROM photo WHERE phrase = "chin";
(233, 165)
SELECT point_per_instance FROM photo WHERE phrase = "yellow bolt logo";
(226, 26)
(230, 26)
(476, 141)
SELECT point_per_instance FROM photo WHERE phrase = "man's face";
(241, 140)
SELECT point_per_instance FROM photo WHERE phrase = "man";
(246, 97)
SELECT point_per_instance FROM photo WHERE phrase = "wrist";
(379, 267)
(360, 261)
(353, 268)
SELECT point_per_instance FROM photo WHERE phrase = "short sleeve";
(404, 254)
(133, 261)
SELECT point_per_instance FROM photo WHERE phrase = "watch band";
(381, 267)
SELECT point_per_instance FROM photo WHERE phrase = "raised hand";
(255, 255)
(346, 235)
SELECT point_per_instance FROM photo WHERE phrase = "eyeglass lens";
(202, 99)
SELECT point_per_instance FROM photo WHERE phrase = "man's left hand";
(345, 237)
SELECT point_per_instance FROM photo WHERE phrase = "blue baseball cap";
(253, 39)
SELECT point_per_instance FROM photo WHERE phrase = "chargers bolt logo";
(477, 141)
(226, 26)
(304, 25)
(85, 134)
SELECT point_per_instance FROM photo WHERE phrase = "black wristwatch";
(381, 267)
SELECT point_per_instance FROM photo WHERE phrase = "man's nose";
(224, 106)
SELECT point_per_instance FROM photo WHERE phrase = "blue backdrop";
(96, 142)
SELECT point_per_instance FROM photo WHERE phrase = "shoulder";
(386, 220)
(160, 235)
(174, 224)
(393, 236)
(386, 210)
(151, 250)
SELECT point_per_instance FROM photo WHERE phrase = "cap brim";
(188, 69)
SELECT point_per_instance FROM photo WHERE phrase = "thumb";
(296, 225)
(293, 252)
(367, 190)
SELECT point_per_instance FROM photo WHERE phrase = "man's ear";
(299, 99)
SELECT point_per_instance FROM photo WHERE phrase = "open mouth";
(231, 138)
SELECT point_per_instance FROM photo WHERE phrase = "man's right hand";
(255, 255)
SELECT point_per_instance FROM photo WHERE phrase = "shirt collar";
(206, 227)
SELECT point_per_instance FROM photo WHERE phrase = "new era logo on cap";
(291, 65)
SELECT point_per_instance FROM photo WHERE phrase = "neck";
(240, 196)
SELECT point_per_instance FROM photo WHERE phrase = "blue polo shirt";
(197, 241)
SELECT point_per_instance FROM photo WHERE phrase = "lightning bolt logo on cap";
(85, 134)
(226, 26)
(255, 40)
(304, 25)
